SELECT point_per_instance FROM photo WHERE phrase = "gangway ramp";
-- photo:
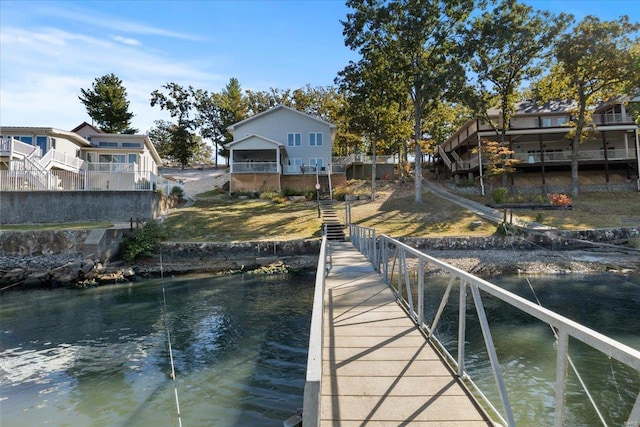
(378, 368)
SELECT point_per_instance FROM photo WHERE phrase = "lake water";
(99, 357)
(607, 303)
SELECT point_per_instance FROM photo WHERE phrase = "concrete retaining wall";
(33, 207)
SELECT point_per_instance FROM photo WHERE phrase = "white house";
(282, 148)
(44, 158)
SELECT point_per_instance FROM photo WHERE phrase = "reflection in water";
(99, 356)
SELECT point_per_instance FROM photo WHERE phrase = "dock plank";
(378, 368)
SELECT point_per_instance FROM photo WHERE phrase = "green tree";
(160, 136)
(106, 103)
(373, 105)
(507, 46)
(421, 41)
(233, 109)
(179, 102)
(593, 62)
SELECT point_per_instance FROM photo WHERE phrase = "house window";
(132, 158)
(107, 144)
(317, 162)
(25, 139)
(131, 145)
(546, 122)
(293, 140)
(315, 139)
(562, 120)
(111, 158)
(92, 157)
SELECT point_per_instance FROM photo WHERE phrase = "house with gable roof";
(282, 148)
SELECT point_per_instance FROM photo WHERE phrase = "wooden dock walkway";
(378, 369)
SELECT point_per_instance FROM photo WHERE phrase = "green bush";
(144, 241)
(499, 195)
(273, 196)
(177, 192)
(288, 192)
(506, 229)
(541, 198)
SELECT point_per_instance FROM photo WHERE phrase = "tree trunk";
(373, 170)
(418, 160)
(575, 144)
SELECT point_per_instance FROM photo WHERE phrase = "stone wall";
(558, 240)
(32, 207)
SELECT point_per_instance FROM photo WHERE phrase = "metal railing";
(403, 269)
(313, 381)
(62, 180)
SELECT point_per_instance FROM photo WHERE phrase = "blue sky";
(49, 50)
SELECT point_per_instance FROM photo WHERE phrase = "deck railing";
(403, 269)
(313, 381)
(254, 167)
(83, 180)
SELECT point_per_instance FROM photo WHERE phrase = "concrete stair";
(330, 221)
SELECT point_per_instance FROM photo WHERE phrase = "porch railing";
(254, 167)
(403, 269)
(60, 159)
(11, 146)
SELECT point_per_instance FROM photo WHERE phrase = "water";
(99, 357)
(606, 303)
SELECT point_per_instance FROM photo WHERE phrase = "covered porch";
(255, 154)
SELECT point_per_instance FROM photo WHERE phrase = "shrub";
(506, 229)
(144, 241)
(540, 198)
(177, 192)
(560, 200)
(288, 192)
(340, 192)
(273, 196)
(499, 195)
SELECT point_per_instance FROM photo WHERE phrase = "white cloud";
(127, 40)
(112, 22)
(43, 70)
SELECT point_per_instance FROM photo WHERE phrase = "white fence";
(84, 180)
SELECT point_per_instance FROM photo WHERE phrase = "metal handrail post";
(462, 320)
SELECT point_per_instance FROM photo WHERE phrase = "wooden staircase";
(330, 221)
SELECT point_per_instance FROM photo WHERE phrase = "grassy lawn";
(218, 217)
(590, 210)
(221, 218)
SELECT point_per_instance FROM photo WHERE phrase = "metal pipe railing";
(396, 259)
(313, 381)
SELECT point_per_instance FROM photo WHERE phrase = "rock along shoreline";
(52, 271)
